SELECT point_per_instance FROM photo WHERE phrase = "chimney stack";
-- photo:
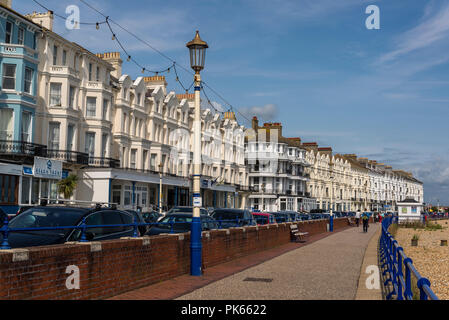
(6, 3)
(114, 59)
(43, 19)
(255, 123)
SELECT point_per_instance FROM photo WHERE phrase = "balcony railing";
(69, 156)
(22, 148)
(103, 162)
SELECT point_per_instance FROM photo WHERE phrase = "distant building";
(409, 210)
(276, 167)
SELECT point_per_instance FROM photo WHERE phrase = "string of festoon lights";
(144, 69)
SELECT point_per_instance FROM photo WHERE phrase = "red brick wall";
(127, 264)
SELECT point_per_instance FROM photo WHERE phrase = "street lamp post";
(331, 214)
(160, 187)
(197, 48)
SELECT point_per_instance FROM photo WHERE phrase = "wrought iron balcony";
(101, 162)
(12, 148)
(68, 156)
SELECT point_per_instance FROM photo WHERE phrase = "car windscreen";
(178, 222)
(175, 210)
(47, 217)
(227, 215)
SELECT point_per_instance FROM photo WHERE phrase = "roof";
(21, 16)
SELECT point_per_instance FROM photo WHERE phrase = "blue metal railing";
(395, 263)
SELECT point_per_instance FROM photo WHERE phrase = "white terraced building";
(120, 135)
(276, 167)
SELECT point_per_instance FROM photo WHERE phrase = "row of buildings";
(65, 110)
(288, 174)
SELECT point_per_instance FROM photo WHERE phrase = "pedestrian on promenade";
(365, 219)
(357, 217)
(380, 218)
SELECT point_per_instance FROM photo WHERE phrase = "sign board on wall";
(47, 168)
(13, 169)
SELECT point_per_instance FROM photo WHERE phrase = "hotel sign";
(47, 168)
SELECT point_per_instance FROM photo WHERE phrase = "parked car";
(3, 216)
(292, 215)
(151, 216)
(227, 218)
(263, 218)
(139, 218)
(57, 216)
(281, 217)
(180, 223)
(182, 209)
(316, 216)
(304, 217)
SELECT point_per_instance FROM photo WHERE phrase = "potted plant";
(415, 240)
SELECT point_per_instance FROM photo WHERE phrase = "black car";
(281, 217)
(227, 218)
(139, 218)
(316, 216)
(186, 210)
(304, 217)
(56, 216)
(180, 223)
(293, 215)
(3, 216)
(151, 216)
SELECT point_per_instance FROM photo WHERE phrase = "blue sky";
(310, 64)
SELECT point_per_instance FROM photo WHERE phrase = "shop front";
(10, 176)
(40, 182)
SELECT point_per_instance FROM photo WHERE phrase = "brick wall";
(112, 267)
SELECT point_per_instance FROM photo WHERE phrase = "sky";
(310, 64)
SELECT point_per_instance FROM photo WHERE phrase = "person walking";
(357, 217)
(365, 219)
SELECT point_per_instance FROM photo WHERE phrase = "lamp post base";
(195, 247)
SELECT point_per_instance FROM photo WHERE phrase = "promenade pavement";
(327, 267)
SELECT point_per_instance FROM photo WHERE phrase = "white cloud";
(267, 112)
(431, 31)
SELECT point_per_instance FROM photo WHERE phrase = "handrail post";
(135, 235)
(5, 230)
(408, 293)
(394, 279)
(399, 273)
(422, 293)
(83, 231)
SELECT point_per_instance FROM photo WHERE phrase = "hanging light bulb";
(168, 70)
(113, 36)
(97, 26)
(177, 79)
(143, 70)
(129, 58)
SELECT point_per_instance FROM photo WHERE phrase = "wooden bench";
(296, 234)
(352, 222)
